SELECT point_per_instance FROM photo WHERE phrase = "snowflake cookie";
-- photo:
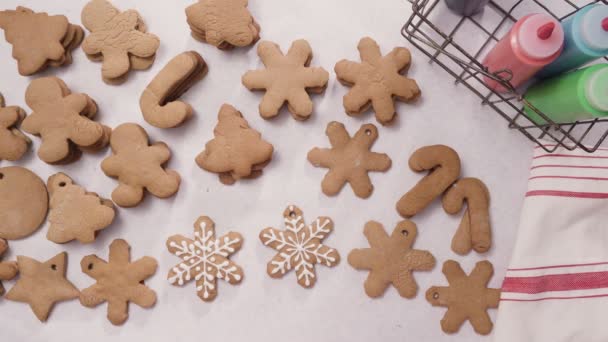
(205, 258)
(299, 247)
(467, 297)
(376, 81)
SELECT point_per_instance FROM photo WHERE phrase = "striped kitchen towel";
(556, 288)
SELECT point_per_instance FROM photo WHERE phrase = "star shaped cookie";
(287, 78)
(349, 159)
(467, 297)
(391, 259)
(42, 284)
(377, 80)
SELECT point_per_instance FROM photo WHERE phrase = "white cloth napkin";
(556, 288)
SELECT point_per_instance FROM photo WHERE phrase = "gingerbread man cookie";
(75, 214)
(391, 259)
(13, 143)
(287, 78)
(299, 247)
(223, 23)
(237, 151)
(42, 284)
(8, 269)
(377, 80)
(466, 297)
(115, 36)
(349, 159)
(474, 230)
(62, 119)
(119, 281)
(138, 166)
(206, 258)
(443, 165)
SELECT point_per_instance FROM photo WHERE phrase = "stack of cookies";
(237, 151)
(64, 121)
(224, 24)
(39, 40)
(118, 39)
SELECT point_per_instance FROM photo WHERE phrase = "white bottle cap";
(596, 90)
(529, 36)
(593, 27)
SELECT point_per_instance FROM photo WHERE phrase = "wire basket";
(469, 38)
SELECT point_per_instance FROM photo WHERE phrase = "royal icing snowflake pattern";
(299, 247)
(205, 259)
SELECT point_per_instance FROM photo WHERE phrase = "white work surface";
(262, 308)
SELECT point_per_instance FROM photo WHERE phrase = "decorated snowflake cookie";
(299, 247)
(205, 258)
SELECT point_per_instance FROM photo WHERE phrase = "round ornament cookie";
(23, 202)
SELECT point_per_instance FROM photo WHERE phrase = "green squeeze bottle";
(578, 95)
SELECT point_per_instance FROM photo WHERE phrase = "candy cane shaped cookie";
(443, 165)
(158, 101)
(474, 230)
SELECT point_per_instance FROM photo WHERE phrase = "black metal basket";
(460, 56)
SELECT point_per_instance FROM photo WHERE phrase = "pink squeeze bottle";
(533, 42)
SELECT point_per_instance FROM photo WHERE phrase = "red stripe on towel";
(569, 177)
(551, 298)
(556, 282)
(571, 194)
(556, 266)
(558, 155)
(568, 166)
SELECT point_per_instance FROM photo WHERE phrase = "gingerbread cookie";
(287, 78)
(138, 166)
(349, 159)
(376, 81)
(466, 297)
(23, 202)
(158, 101)
(237, 151)
(223, 23)
(62, 120)
(119, 281)
(13, 143)
(299, 246)
(38, 39)
(8, 269)
(205, 258)
(75, 214)
(115, 36)
(474, 230)
(42, 284)
(391, 259)
(443, 165)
